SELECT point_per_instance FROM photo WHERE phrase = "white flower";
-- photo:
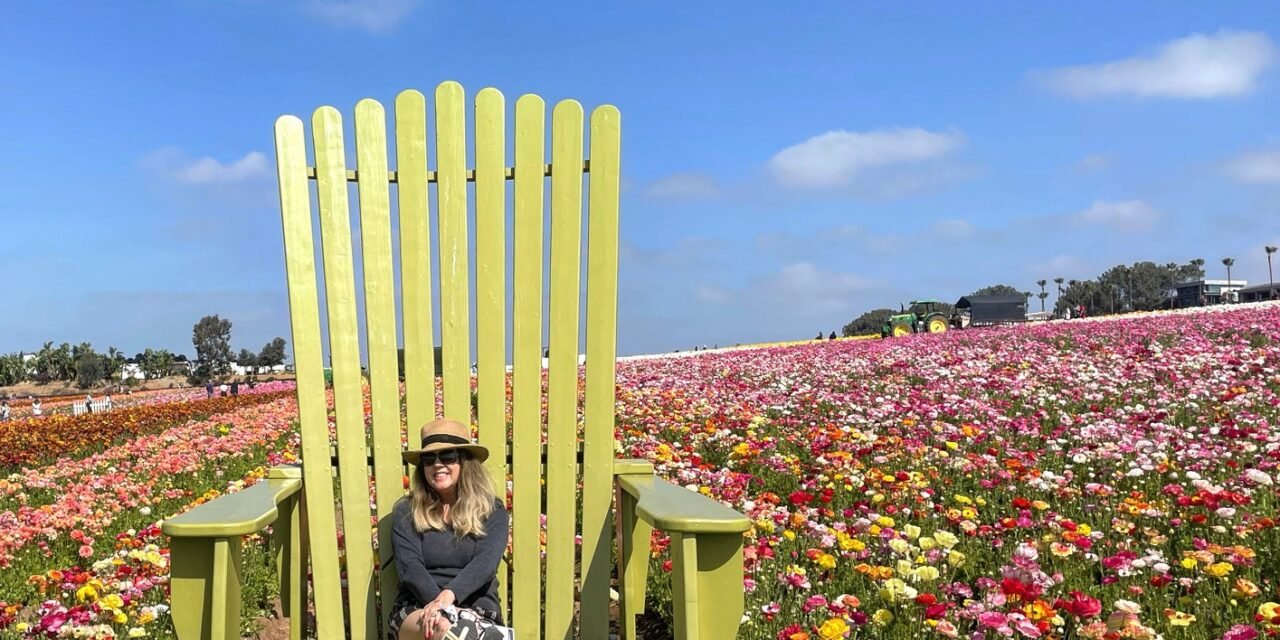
(1258, 476)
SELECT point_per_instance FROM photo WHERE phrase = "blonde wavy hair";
(469, 512)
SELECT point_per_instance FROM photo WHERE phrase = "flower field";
(1068, 480)
(81, 554)
(1086, 479)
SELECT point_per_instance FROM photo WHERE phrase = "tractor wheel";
(900, 330)
(937, 325)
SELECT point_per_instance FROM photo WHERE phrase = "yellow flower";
(885, 521)
(137, 632)
(87, 594)
(1269, 611)
(895, 590)
(789, 534)
(926, 543)
(119, 617)
(926, 574)
(1218, 569)
(1178, 618)
(21, 627)
(1084, 529)
(963, 499)
(882, 617)
(955, 558)
(1188, 563)
(900, 546)
(766, 525)
(946, 539)
(911, 531)
(111, 601)
(833, 628)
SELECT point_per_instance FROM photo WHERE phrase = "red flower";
(800, 498)
(1080, 605)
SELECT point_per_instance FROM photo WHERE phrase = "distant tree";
(439, 360)
(113, 363)
(89, 370)
(272, 353)
(997, 290)
(211, 337)
(65, 363)
(181, 357)
(247, 358)
(867, 323)
(12, 369)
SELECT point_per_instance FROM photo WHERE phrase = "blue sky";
(784, 169)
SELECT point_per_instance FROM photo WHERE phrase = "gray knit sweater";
(431, 561)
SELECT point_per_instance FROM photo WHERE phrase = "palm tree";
(1041, 295)
(1198, 263)
(1228, 262)
(1271, 281)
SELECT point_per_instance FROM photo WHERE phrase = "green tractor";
(923, 317)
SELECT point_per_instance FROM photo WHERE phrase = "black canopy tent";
(989, 310)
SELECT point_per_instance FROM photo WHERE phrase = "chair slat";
(491, 293)
(451, 193)
(344, 349)
(304, 317)
(526, 375)
(415, 261)
(562, 370)
(380, 327)
(602, 311)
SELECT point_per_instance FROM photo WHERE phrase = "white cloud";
(374, 16)
(176, 165)
(1129, 215)
(1226, 63)
(837, 158)
(1258, 167)
(1093, 162)
(683, 186)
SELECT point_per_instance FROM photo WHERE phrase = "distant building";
(1259, 292)
(1198, 293)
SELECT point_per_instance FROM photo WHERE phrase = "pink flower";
(86, 551)
(1240, 632)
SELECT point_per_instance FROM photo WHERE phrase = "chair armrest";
(675, 509)
(235, 514)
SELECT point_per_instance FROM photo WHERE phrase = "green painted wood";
(602, 313)
(451, 194)
(685, 607)
(415, 260)
(380, 336)
(491, 295)
(236, 514)
(344, 350)
(562, 370)
(526, 375)
(711, 588)
(673, 508)
(291, 562)
(304, 316)
(205, 582)
(633, 563)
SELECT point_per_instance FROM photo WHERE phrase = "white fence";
(78, 408)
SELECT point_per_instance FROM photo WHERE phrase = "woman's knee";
(411, 628)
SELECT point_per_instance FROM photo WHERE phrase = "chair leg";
(205, 581)
(633, 564)
(707, 585)
(291, 561)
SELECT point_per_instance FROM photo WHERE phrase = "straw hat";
(441, 435)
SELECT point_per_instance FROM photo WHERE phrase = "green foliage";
(211, 337)
(155, 364)
(247, 358)
(89, 370)
(12, 369)
(272, 353)
(867, 323)
(997, 290)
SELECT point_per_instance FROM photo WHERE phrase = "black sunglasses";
(449, 456)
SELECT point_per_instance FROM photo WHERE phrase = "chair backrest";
(507, 240)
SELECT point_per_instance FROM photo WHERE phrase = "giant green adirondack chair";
(569, 591)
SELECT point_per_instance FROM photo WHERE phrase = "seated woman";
(448, 537)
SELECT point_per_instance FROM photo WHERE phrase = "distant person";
(235, 387)
(88, 403)
(208, 389)
(107, 402)
(4, 410)
(833, 336)
(36, 409)
(222, 389)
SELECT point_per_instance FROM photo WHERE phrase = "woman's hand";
(431, 612)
